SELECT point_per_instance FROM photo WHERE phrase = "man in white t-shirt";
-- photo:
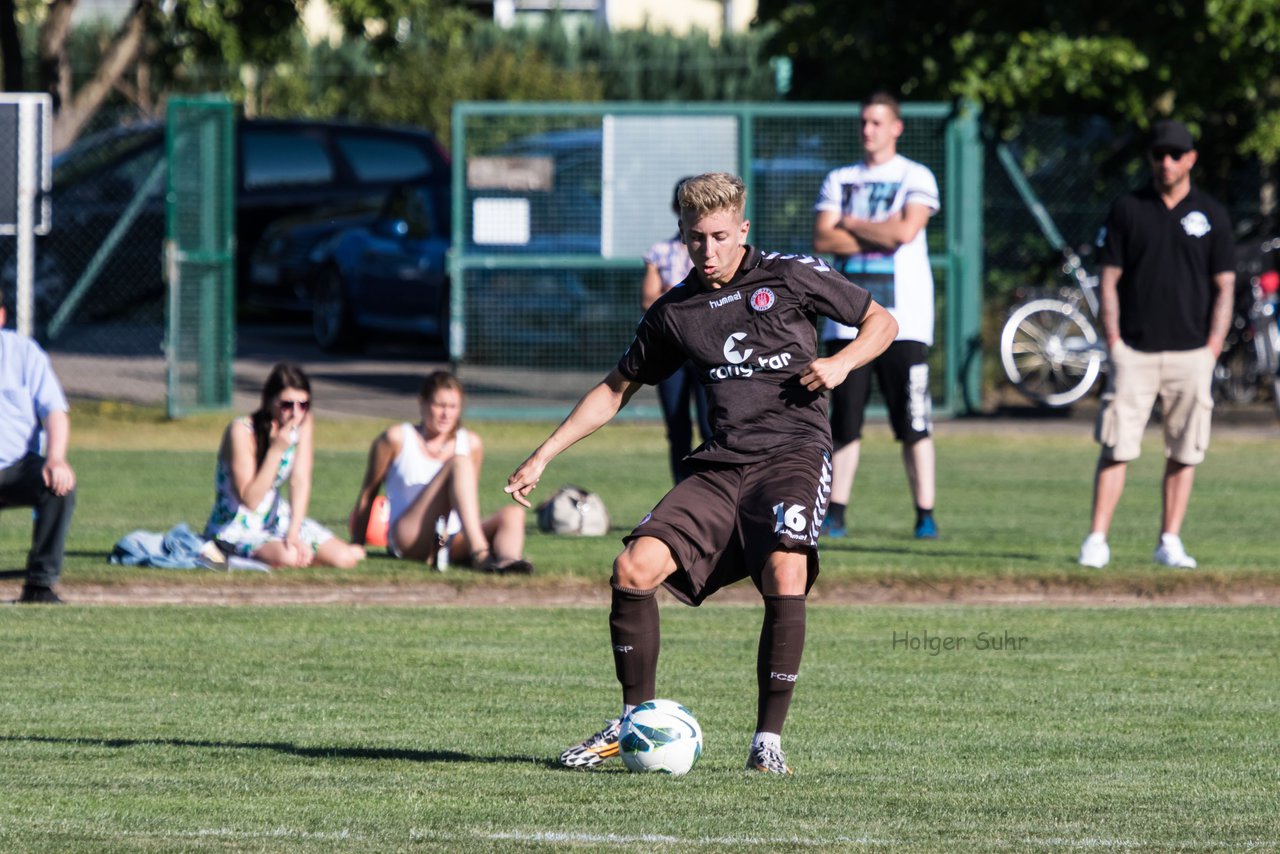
(871, 216)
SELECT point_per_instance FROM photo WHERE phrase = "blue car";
(389, 275)
(386, 275)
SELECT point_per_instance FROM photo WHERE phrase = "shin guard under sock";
(634, 633)
(778, 661)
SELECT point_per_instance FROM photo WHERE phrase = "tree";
(423, 56)
(10, 47)
(1210, 64)
(166, 37)
(73, 106)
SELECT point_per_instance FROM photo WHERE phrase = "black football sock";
(923, 513)
(778, 661)
(635, 635)
(835, 514)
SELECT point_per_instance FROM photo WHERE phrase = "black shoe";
(499, 566)
(514, 567)
(38, 594)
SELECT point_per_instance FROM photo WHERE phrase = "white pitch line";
(563, 837)
(618, 839)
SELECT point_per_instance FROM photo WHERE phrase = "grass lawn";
(1012, 506)
(361, 729)
(921, 728)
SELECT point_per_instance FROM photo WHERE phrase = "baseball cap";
(1172, 136)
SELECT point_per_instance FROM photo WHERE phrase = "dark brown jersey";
(751, 341)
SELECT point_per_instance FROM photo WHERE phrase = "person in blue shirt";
(34, 473)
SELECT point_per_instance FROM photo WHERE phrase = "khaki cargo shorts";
(1181, 379)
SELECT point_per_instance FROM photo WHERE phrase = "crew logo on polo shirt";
(1195, 224)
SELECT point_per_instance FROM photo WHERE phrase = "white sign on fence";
(26, 178)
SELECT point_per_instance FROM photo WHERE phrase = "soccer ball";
(662, 736)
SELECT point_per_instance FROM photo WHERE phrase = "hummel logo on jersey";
(733, 297)
(730, 349)
(817, 263)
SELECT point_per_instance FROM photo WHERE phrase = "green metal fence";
(199, 254)
(554, 204)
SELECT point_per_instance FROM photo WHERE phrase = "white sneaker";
(1094, 551)
(1171, 553)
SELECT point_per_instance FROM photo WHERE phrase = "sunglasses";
(300, 405)
(1159, 154)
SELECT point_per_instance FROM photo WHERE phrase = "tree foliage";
(423, 56)
(147, 52)
(436, 56)
(650, 65)
(402, 60)
(1208, 63)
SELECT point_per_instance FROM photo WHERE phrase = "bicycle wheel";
(1235, 376)
(1050, 352)
(1271, 364)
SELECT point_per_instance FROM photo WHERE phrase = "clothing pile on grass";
(178, 548)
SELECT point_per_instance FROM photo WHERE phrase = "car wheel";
(331, 318)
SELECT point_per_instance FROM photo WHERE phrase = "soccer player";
(754, 504)
(872, 216)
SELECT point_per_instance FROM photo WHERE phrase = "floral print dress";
(243, 530)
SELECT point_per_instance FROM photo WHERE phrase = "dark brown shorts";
(724, 521)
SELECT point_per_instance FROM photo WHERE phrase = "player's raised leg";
(635, 637)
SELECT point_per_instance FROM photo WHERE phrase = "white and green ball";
(660, 736)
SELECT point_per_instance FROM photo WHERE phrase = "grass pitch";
(1012, 507)
(357, 729)
(922, 728)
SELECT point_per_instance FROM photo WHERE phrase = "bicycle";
(1049, 346)
(1250, 356)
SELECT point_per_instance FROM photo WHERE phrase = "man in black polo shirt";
(754, 505)
(1168, 279)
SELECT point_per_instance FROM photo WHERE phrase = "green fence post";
(965, 241)
(200, 254)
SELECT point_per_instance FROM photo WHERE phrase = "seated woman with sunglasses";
(259, 454)
(431, 473)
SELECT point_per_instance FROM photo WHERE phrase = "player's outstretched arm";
(592, 412)
(875, 333)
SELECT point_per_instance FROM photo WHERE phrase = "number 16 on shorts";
(792, 517)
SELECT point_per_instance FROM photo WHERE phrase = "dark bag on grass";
(573, 510)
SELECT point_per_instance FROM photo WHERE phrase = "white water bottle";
(442, 544)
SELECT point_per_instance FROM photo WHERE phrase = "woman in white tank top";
(431, 471)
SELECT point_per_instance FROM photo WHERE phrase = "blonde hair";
(712, 192)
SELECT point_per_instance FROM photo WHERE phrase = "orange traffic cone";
(379, 521)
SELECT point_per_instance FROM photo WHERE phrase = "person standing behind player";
(31, 403)
(1167, 286)
(666, 265)
(755, 502)
(871, 216)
